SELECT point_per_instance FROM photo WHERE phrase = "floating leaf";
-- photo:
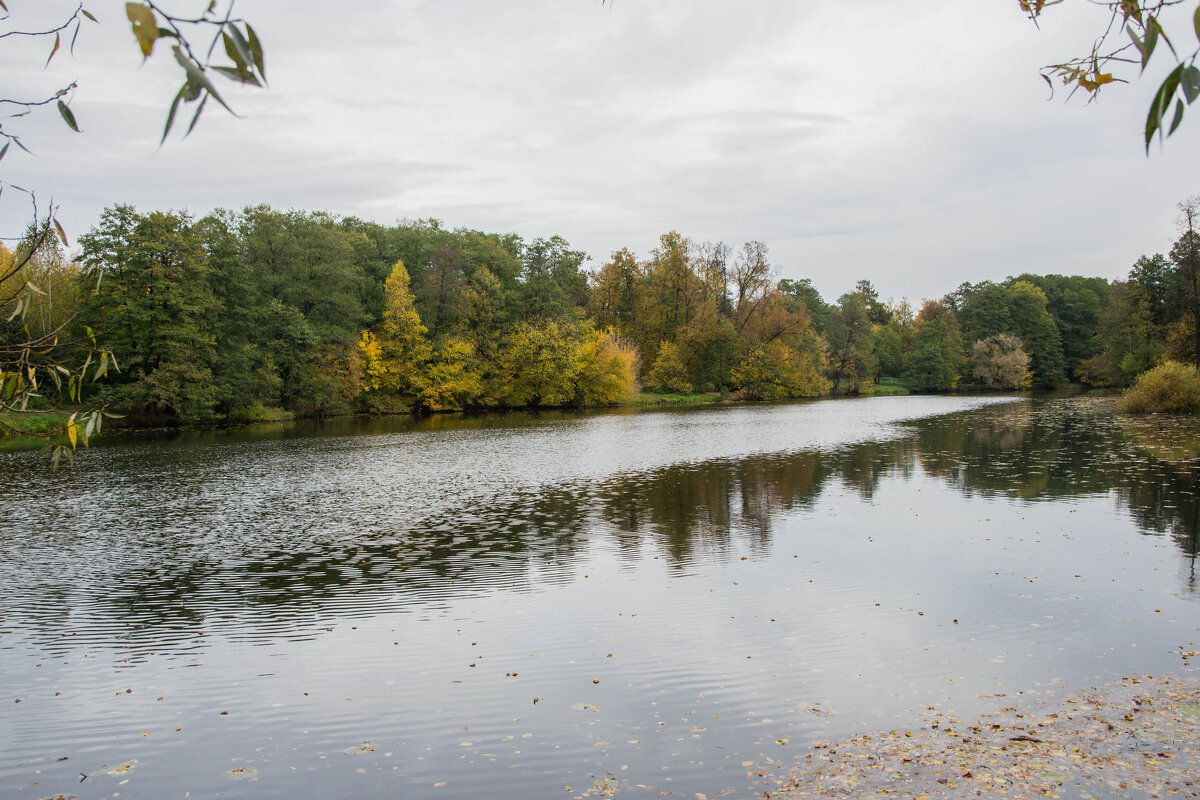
(359, 749)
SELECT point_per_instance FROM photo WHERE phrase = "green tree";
(154, 309)
(1033, 325)
(888, 350)
(554, 285)
(938, 355)
(848, 332)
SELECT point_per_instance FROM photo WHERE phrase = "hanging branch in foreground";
(32, 362)
(1140, 22)
(150, 23)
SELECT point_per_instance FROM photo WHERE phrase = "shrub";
(1170, 388)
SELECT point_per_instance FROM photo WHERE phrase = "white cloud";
(910, 144)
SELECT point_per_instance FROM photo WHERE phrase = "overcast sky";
(910, 143)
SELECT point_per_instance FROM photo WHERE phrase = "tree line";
(263, 314)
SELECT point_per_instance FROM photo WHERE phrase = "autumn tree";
(607, 368)
(618, 293)
(775, 370)
(539, 365)
(397, 355)
(668, 373)
(1000, 362)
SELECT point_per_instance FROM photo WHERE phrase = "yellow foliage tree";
(396, 357)
(775, 370)
(539, 366)
(608, 369)
(455, 379)
(668, 372)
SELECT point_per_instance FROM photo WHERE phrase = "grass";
(884, 390)
(260, 413)
(661, 399)
(32, 424)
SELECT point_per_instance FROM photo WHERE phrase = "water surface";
(665, 602)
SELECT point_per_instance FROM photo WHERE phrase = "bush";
(1170, 388)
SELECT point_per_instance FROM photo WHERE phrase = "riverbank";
(1133, 738)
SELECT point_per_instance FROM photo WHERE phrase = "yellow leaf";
(1097, 80)
(144, 26)
(72, 433)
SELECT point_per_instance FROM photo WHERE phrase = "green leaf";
(4, 150)
(196, 74)
(1138, 43)
(256, 51)
(1150, 41)
(1160, 104)
(238, 75)
(1178, 117)
(67, 116)
(144, 26)
(1196, 21)
(1190, 81)
(196, 116)
(171, 113)
(237, 49)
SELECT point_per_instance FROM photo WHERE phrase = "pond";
(642, 604)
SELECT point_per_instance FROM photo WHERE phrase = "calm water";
(660, 603)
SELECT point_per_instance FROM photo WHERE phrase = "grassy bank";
(32, 424)
(660, 399)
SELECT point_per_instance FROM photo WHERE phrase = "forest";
(265, 314)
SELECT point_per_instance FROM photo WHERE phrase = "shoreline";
(1135, 737)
